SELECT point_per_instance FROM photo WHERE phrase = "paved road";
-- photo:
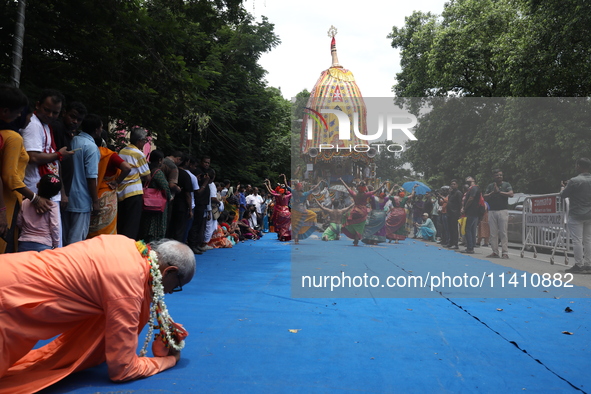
(539, 264)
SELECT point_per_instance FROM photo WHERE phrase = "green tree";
(167, 65)
(497, 48)
(390, 165)
(415, 41)
(547, 49)
(297, 115)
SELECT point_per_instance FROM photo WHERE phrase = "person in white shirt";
(211, 222)
(225, 188)
(44, 156)
(38, 140)
(256, 200)
(185, 167)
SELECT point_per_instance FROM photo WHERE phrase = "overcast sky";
(362, 43)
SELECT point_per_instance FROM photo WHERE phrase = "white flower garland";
(158, 312)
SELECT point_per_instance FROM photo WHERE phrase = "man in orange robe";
(96, 296)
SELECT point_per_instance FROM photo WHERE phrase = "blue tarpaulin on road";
(247, 333)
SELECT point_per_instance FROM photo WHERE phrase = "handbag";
(215, 212)
(154, 199)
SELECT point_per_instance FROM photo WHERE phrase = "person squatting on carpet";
(96, 296)
(426, 230)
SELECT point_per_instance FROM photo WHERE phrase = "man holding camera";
(497, 195)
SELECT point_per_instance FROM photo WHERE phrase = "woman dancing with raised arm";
(303, 220)
(355, 223)
(375, 228)
(396, 219)
(335, 218)
(281, 217)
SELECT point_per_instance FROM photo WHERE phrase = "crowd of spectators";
(454, 215)
(62, 182)
(463, 214)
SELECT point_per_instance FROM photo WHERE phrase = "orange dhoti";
(94, 294)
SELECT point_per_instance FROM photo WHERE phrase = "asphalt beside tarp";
(249, 335)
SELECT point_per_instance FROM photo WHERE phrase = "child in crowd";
(232, 227)
(40, 231)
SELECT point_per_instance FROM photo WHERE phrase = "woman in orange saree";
(112, 171)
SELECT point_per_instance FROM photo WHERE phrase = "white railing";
(544, 221)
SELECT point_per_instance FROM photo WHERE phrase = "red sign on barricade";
(545, 204)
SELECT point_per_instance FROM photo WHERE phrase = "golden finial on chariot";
(332, 31)
(333, 46)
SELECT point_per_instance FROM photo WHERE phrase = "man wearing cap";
(426, 230)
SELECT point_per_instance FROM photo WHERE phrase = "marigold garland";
(158, 311)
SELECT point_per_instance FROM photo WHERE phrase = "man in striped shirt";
(130, 191)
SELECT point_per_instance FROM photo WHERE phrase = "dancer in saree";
(281, 217)
(303, 220)
(375, 228)
(355, 222)
(396, 219)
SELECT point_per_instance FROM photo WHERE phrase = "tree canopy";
(185, 70)
(498, 49)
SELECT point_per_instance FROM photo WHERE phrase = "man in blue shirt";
(242, 201)
(83, 198)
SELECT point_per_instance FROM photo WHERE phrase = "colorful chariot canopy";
(322, 132)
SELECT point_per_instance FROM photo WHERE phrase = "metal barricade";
(544, 220)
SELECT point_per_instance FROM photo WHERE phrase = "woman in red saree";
(396, 219)
(281, 215)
